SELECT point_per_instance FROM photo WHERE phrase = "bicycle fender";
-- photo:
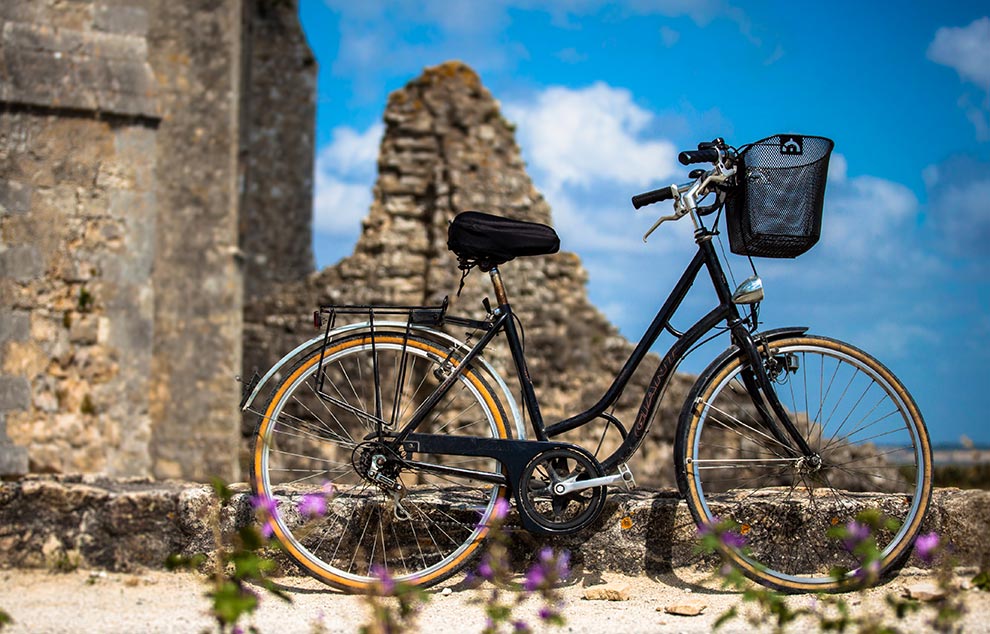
(768, 336)
(317, 341)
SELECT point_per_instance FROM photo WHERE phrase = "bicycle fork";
(760, 388)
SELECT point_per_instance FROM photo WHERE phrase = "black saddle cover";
(488, 240)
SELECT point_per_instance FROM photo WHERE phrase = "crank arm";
(623, 477)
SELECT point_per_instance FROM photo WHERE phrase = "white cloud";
(382, 37)
(965, 49)
(577, 137)
(776, 56)
(978, 117)
(351, 152)
(866, 217)
(339, 206)
(589, 150)
(961, 212)
(345, 170)
(571, 56)
(838, 168)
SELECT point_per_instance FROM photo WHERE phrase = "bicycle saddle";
(487, 240)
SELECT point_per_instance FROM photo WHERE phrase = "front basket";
(776, 210)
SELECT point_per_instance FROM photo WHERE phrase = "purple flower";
(264, 504)
(501, 508)
(707, 528)
(236, 630)
(520, 627)
(548, 569)
(925, 547)
(563, 565)
(731, 539)
(546, 613)
(869, 571)
(313, 505)
(856, 534)
(385, 580)
(536, 576)
(485, 569)
(267, 529)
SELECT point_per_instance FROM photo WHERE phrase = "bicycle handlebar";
(655, 196)
(687, 195)
(702, 155)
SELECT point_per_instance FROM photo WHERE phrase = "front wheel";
(871, 453)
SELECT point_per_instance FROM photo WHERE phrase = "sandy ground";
(156, 601)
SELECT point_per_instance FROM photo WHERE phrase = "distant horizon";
(604, 94)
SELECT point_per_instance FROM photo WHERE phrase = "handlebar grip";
(648, 198)
(706, 155)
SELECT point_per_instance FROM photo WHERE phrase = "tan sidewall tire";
(257, 481)
(693, 496)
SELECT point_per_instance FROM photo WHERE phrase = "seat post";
(500, 295)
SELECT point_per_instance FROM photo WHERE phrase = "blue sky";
(605, 93)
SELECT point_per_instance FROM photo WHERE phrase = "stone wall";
(77, 229)
(279, 111)
(447, 148)
(196, 53)
(126, 525)
(128, 130)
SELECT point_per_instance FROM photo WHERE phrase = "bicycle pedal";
(628, 481)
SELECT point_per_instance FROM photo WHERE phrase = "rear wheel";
(348, 507)
(871, 453)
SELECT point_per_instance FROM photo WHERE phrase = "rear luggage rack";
(414, 316)
(433, 317)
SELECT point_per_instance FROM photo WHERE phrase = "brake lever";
(663, 219)
(675, 194)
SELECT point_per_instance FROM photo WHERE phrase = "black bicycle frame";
(757, 382)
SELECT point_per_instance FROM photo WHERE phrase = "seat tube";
(518, 357)
(501, 298)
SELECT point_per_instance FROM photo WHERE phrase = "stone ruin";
(155, 173)
(447, 148)
(155, 227)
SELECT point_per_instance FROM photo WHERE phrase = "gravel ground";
(156, 601)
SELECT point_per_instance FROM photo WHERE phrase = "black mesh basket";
(776, 210)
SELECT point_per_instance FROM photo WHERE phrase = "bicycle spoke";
(780, 503)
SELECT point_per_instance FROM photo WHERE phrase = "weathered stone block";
(121, 20)
(966, 518)
(13, 459)
(77, 69)
(15, 325)
(15, 197)
(22, 263)
(15, 393)
(84, 330)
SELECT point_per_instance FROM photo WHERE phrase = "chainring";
(550, 513)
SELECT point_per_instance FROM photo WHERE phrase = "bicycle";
(785, 434)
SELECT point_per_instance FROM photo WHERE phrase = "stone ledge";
(81, 70)
(129, 524)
